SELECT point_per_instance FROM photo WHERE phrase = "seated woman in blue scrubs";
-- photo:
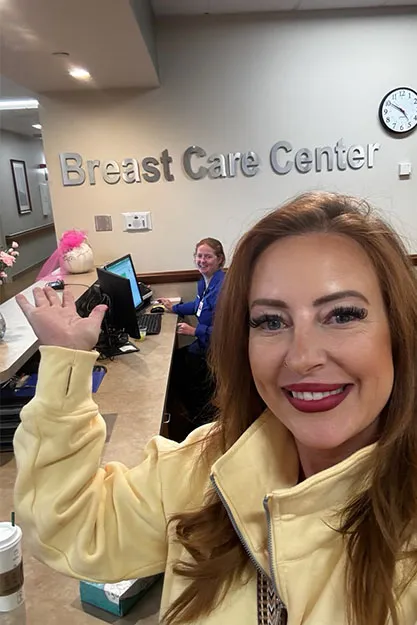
(191, 385)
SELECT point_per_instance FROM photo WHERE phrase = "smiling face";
(206, 260)
(319, 343)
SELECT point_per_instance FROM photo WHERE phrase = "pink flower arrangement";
(7, 260)
(71, 239)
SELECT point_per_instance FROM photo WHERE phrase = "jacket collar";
(263, 465)
(214, 280)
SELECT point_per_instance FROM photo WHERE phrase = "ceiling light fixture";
(79, 73)
(16, 105)
(37, 126)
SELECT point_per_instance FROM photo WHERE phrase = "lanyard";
(201, 303)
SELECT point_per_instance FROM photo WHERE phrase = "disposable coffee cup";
(11, 567)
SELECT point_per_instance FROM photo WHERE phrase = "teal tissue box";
(116, 598)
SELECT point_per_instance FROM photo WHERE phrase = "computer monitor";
(122, 313)
(124, 268)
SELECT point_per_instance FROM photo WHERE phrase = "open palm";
(58, 323)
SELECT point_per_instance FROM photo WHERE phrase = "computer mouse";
(159, 308)
(57, 285)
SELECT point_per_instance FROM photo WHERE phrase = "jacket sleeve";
(204, 331)
(100, 524)
(188, 308)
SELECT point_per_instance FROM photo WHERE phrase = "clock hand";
(399, 108)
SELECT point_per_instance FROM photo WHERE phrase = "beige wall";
(186, 290)
(238, 84)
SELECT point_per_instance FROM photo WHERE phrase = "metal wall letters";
(197, 164)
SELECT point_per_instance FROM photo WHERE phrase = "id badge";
(200, 308)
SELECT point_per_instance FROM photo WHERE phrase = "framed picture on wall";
(21, 186)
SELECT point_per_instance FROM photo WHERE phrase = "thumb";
(97, 314)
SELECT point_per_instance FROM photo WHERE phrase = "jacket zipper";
(235, 527)
(271, 560)
(245, 545)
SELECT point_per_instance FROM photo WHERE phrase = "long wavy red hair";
(379, 524)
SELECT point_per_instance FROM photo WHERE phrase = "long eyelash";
(354, 311)
(359, 313)
(255, 323)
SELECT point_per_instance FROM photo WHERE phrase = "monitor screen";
(124, 267)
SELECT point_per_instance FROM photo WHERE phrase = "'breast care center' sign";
(196, 164)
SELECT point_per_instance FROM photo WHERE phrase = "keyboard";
(152, 322)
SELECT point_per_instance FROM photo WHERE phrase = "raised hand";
(57, 323)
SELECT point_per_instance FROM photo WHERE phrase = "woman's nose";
(305, 351)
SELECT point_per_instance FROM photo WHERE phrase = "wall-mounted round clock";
(398, 110)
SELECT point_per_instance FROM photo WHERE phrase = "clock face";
(398, 110)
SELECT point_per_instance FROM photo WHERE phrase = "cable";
(110, 339)
(109, 343)
(88, 300)
(76, 284)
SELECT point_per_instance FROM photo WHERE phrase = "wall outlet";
(404, 170)
(137, 221)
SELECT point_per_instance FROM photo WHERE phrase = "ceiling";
(102, 35)
(110, 38)
(113, 39)
(20, 122)
(201, 7)
(17, 121)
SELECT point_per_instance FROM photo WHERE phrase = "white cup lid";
(9, 535)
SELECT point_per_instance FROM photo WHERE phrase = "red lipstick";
(309, 403)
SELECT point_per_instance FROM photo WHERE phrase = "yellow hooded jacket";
(111, 523)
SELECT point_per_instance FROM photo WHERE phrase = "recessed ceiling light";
(79, 73)
(15, 105)
(37, 126)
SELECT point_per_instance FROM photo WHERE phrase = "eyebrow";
(324, 299)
